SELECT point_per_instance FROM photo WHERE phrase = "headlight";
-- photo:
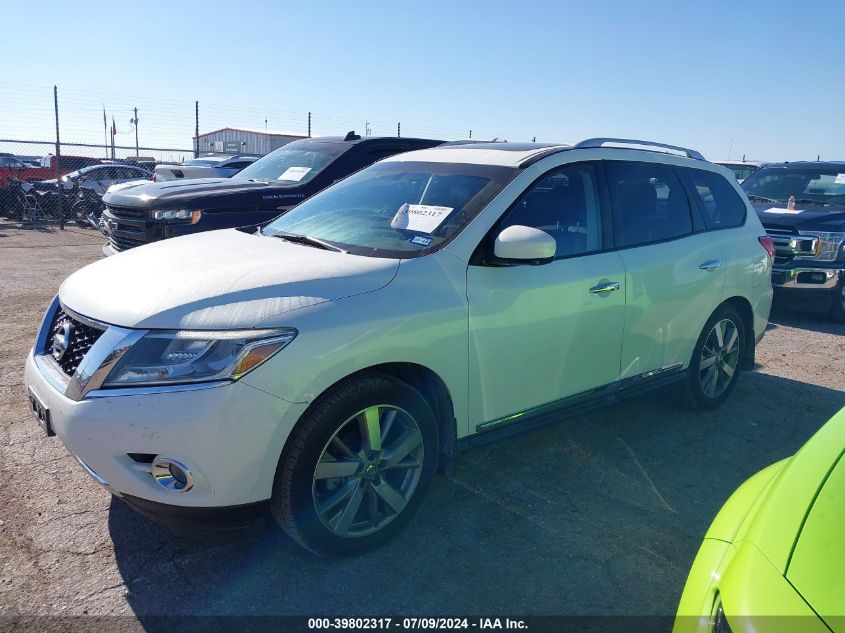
(178, 214)
(165, 357)
(827, 247)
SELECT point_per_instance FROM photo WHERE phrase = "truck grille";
(123, 243)
(127, 212)
(80, 340)
(789, 243)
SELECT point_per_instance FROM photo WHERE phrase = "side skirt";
(558, 410)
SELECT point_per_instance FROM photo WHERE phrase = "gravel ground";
(599, 514)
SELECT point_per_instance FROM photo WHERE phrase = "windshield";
(826, 186)
(395, 209)
(294, 164)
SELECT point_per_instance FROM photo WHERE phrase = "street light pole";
(135, 123)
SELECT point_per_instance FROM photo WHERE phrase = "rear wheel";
(357, 467)
(714, 367)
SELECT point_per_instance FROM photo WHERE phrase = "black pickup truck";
(802, 207)
(148, 212)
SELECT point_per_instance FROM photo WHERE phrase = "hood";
(786, 510)
(201, 193)
(218, 280)
(817, 566)
(806, 216)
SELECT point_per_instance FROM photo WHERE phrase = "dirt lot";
(599, 514)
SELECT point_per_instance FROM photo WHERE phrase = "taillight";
(769, 244)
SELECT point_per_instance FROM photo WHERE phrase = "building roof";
(254, 131)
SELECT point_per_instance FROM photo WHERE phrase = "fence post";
(58, 161)
(197, 137)
(309, 125)
(399, 130)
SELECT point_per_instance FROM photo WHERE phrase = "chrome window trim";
(153, 389)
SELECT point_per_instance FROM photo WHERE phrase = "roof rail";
(601, 142)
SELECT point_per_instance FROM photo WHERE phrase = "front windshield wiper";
(811, 201)
(306, 240)
(753, 197)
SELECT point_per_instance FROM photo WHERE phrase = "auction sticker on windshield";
(294, 173)
(424, 218)
(840, 179)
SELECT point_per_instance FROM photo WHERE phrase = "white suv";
(324, 365)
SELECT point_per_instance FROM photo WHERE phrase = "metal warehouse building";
(230, 140)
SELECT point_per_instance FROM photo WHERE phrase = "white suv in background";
(325, 365)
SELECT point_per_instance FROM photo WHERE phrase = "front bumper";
(229, 434)
(809, 277)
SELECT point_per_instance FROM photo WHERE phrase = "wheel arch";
(746, 312)
(425, 380)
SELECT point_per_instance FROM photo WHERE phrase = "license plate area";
(41, 413)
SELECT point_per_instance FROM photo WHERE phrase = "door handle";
(712, 264)
(607, 286)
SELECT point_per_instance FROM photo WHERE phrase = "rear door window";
(649, 203)
(720, 204)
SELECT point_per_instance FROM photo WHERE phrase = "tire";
(709, 382)
(366, 491)
(837, 308)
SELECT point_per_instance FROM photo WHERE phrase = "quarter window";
(564, 204)
(649, 203)
(720, 203)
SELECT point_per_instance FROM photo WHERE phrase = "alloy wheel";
(719, 358)
(368, 471)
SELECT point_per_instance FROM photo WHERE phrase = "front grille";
(127, 212)
(789, 243)
(124, 243)
(79, 338)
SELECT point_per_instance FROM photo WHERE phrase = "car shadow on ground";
(794, 317)
(597, 514)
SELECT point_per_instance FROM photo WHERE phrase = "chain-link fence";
(61, 149)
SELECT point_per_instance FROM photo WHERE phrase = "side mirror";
(525, 244)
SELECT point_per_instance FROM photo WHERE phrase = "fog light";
(172, 474)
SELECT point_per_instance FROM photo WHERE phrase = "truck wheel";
(714, 367)
(837, 308)
(356, 467)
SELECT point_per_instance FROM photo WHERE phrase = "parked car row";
(383, 304)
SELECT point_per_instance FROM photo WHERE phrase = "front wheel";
(356, 467)
(714, 367)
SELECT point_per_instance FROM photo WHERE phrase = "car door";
(541, 333)
(674, 270)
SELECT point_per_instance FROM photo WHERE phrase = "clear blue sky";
(768, 75)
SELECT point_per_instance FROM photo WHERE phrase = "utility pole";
(309, 125)
(399, 130)
(59, 187)
(135, 123)
(197, 134)
(105, 131)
